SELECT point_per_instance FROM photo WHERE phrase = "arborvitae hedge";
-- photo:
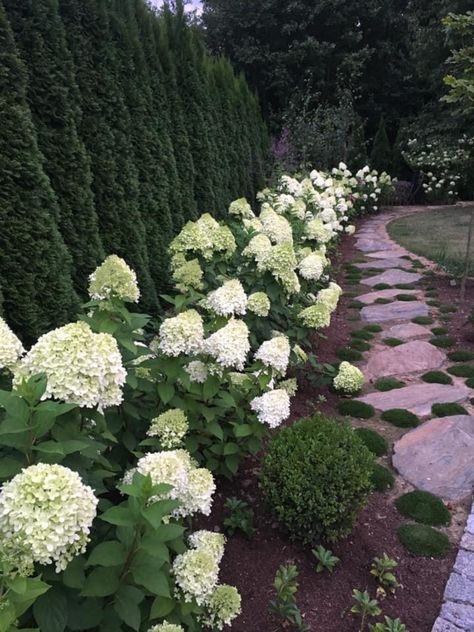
(139, 130)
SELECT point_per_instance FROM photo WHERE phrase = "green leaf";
(121, 516)
(50, 447)
(231, 448)
(211, 387)
(126, 606)
(152, 545)
(7, 616)
(145, 574)
(35, 588)
(101, 582)
(243, 430)
(215, 430)
(74, 576)
(85, 614)
(46, 413)
(111, 553)
(51, 611)
(232, 462)
(154, 513)
(9, 467)
(15, 406)
(169, 532)
(166, 392)
(161, 607)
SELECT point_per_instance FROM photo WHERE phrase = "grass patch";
(442, 341)
(355, 408)
(431, 293)
(350, 267)
(436, 377)
(448, 309)
(470, 384)
(356, 304)
(439, 331)
(353, 281)
(348, 354)
(461, 356)
(416, 263)
(382, 286)
(388, 384)
(422, 320)
(360, 345)
(420, 539)
(406, 297)
(373, 441)
(433, 303)
(461, 370)
(373, 328)
(362, 334)
(383, 301)
(400, 417)
(382, 478)
(405, 286)
(392, 342)
(423, 507)
(448, 409)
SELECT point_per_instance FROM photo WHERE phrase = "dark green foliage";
(363, 334)
(34, 262)
(353, 317)
(349, 354)
(373, 328)
(446, 309)
(400, 417)
(461, 370)
(383, 301)
(356, 304)
(382, 286)
(442, 341)
(440, 331)
(423, 507)
(433, 303)
(405, 286)
(406, 297)
(353, 281)
(470, 383)
(422, 320)
(388, 384)
(372, 440)
(436, 377)
(392, 342)
(461, 355)
(360, 345)
(381, 155)
(448, 409)
(382, 478)
(423, 540)
(317, 477)
(354, 408)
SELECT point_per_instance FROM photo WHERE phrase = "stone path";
(438, 455)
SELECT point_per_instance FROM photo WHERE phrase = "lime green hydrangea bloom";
(259, 304)
(316, 316)
(241, 208)
(188, 276)
(223, 606)
(171, 427)
(11, 348)
(349, 379)
(114, 279)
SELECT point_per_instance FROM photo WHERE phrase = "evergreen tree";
(34, 261)
(42, 44)
(357, 149)
(381, 155)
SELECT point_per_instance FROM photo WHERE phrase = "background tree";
(381, 154)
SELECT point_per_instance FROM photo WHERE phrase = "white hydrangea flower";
(241, 208)
(200, 491)
(315, 316)
(114, 279)
(259, 304)
(198, 371)
(275, 353)
(329, 296)
(82, 367)
(205, 237)
(210, 541)
(277, 228)
(171, 427)
(290, 386)
(350, 229)
(281, 262)
(196, 573)
(229, 299)
(11, 348)
(183, 333)
(258, 247)
(166, 627)
(272, 408)
(315, 229)
(349, 379)
(46, 512)
(253, 224)
(223, 606)
(229, 345)
(312, 267)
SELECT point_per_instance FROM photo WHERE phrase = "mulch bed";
(325, 599)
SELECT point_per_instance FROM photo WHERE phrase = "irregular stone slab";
(371, 297)
(417, 398)
(467, 541)
(393, 277)
(460, 614)
(438, 457)
(407, 330)
(383, 264)
(398, 310)
(459, 588)
(441, 625)
(387, 254)
(372, 245)
(465, 563)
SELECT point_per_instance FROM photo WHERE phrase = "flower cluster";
(272, 408)
(311, 267)
(81, 367)
(170, 427)
(275, 353)
(11, 348)
(114, 279)
(229, 345)
(316, 316)
(222, 607)
(241, 208)
(229, 299)
(166, 627)
(183, 333)
(349, 379)
(259, 304)
(204, 237)
(45, 515)
(275, 226)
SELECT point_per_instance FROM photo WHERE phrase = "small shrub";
(420, 539)
(240, 518)
(382, 478)
(406, 297)
(355, 408)
(392, 342)
(284, 605)
(400, 417)
(360, 345)
(436, 377)
(461, 356)
(353, 317)
(382, 569)
(365, 607)
(442, 341)
(389, 625)
(372, 440)
(448, 409)
(461, 370)
(373, 328)
(316, 476)
(439, 331)
(383, 301)
(382, 286)
(388, 384)
(422, 320)
(326, 559)
(349, 354)
(448, 309)
(362, 334)
(423, 507)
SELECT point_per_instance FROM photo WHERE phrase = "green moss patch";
(461, 370)
(433, 303)
(360, 345)
(400, 417)
(392, 342)
(353, 317)
(354, 281)
(461, 356)
(442, 341)
(423, 507)
(448, 409)
(431, 293)
(348, 354)
(406, 297)
(382, 286)
(439, 331)
(355, 408)
(382, 478)
(470, 384)
(362, 334)
(388, 384)
(422, 320)
(405, 286)
(373, 441)
(374, 328)
(436, 377)
(420, 539)
(356, 304)
(447, 309)
(383, 301)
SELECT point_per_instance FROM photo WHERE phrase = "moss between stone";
(431, 293)
(373, 441)
(461, 370)
(353, 281)
(348, 354)
(362, 334)
(436, 377)
(470, 384)
(422, 320)
(392, 342)
(433, 303)
(448, 409)
(400, 417)
(442, 341)
(383, 301)
(360, 345)
(406, 297)
(374, 328)
(446, 309)
(439, 331)
(355, 408)
(405, 286)
(420, 539)
(388, 384)
(423, 507)
(461, 356)
(382, 286)
(382, 478)
(356, 304)
(353, 317)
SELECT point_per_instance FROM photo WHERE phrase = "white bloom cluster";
(171, 427)
(275, 226)
(197, 371)
(258, 248)
(193, 487)
(183, 333)
(229, 299)
(11, 348)
(311, 267)
(272, 408)
(46, 513)
(316, 229)
(82, 367)
(114, 279)
(349, 379)
(211, 541)
(229, 345)
(315, 316)
(281, 262)
(166, 627)
(204, 237)
(275, 353)
(259, 304)
(329, 296)
(222, 607)
(241, 208)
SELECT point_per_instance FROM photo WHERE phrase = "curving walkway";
(438, 455)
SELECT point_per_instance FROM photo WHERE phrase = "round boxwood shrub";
(461, 356)
(436, 377)
(400, 417)
(362, 334)
(382, 478)
(355, 408)
(388, 384)
(421, 539)
(316, 476)
(439, 331)
(372, 440)
(423, 507)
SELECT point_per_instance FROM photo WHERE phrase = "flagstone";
(383, 264)
(393, 276)
(409, 357)
(397, 310)
(371, 297)
(407, 330)
(372, 245)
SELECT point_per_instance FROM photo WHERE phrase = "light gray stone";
(383, 264)
(409, 357)
(371, 297)
(398, 310)
(392, 276)
(418, 398)
(407, 331)
(387, 254)
(441, 625)
(470, 522)
(467, 541)
(438, 457)
(459, 588)
(373, 245)
(465, 561)
(460, 614)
